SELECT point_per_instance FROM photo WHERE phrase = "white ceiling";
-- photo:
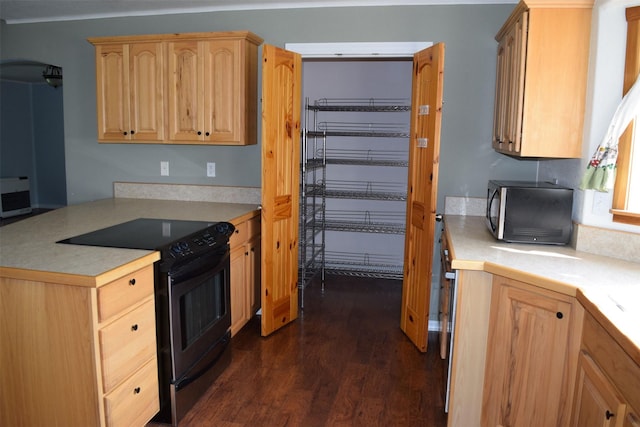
(28, 11)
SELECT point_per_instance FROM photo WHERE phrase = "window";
(626, 194)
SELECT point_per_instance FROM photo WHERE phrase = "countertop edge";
(77, 279)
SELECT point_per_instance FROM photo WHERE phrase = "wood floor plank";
(344, 362)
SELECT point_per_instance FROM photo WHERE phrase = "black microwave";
(529, 212)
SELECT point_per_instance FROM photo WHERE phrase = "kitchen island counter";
(609, 288)
(28, 249)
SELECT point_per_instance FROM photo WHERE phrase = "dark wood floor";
(344, 362)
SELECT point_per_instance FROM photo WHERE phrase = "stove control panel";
(216, 235)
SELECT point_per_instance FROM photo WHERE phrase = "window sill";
(626, 217)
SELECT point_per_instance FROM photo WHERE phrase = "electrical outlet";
(164, 168)
(601, 203)
(211, 169)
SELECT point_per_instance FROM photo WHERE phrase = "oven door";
(199, 313)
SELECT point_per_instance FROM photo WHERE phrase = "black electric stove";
(170, 236)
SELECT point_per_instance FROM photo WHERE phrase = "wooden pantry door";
(422, 192)
(281, 100)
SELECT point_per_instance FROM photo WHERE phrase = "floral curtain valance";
(601, 170)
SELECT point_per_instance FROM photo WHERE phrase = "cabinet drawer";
(127, 343)
(124, 292)
(135, 401)
(254, 227)
(240, 235)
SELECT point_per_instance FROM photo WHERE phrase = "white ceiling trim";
(34, 11)
(358, 50)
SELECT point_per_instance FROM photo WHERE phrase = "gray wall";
(467, 160)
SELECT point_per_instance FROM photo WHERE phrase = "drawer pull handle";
(136, 390)
(609, 414)
(134, 327)
(132, 282)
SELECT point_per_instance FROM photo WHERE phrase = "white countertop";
(31, 245)
(611, 285)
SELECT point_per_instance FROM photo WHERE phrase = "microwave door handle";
(489, 206)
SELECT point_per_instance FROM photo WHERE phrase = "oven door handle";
(189, 378)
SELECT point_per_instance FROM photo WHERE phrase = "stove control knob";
(224, 228)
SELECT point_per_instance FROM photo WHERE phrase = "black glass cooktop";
(141, 233)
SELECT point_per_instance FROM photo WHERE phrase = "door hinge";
(423, 142)
(423, 110)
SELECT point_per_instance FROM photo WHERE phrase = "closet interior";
(354, 158)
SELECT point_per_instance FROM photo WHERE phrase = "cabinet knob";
(132, 282)
(134, 327)
(133, 131)
(609, 414)
(207, 133)
(559, 315)
(199, 133)
(136, 390)
(124, 133)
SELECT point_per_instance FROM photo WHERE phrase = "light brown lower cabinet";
(473, 303)
(79, 355)
(245, 272)
(597, 403)
(608, 382)
(531, 358)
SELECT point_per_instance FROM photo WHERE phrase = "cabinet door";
(112, 89)
(510, 74)
(631, 420)
(597, 404)
(238, 288)
(185, 91)
(530, 372)
(517, 40)
(146, 89)
(222, 90)
(129, 92)
(500, 105)
(254, 274)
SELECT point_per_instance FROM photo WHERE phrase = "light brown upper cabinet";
(199, 88)
(541, 79)
(129, 78)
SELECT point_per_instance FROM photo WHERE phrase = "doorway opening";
(32, 122)
(359, 235)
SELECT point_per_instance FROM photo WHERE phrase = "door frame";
(365, 50)
(362, 50)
